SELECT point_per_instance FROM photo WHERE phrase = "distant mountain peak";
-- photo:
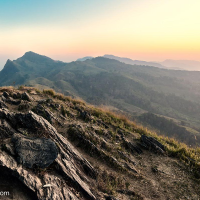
(85, 58)
(30, 53)
(32, 56)
(8, 61)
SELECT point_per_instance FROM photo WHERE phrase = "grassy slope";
(190, 156)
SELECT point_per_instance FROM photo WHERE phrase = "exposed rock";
(40, 152)
(3, 105)
(49, 166)
(3, 98)
(24, 105)
(132, 168)
(152, 143)
(5, 94)
(25, 96)
(127, 192)
(49, 101)
(85, 115)
(12, 101)
(46, 113)
(16, 95)
(41, 101)
(9, 148)
(6, 131)
(125, 157)
(76, 132)
(69, 162)
(131, 147)
(111, 198)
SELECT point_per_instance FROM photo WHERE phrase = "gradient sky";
(68, 29)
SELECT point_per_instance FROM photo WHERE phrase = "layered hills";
(135, 90)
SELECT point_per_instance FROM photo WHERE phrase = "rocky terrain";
(55, 147)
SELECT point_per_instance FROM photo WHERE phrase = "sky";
(151, 30)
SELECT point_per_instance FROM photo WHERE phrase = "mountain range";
(159, 98)
(189, 65)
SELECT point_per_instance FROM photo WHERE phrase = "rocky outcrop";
(131, 147)
(152, 143)
(40, 152)
(47, 147)
(25, 96)
(6, 131)
(3, 105)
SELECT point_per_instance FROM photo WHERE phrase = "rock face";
(152, 143)
(40, 152)
(2, 104)
(25, 96)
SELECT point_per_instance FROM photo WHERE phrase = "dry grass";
(191, 156)
(50, 92)
(112, 117)
(78, 101)
(110, 182)
(62, 97)
(7, 89)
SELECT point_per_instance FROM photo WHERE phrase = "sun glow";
(149, 30)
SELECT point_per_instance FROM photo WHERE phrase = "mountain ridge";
(130, 89)
(134, 62)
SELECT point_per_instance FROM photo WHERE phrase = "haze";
(66, 30)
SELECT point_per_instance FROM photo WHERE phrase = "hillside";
(130, 89)
(56, 147)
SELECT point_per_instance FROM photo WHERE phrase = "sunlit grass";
(190, 156)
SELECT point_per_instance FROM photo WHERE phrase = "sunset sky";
(68, 29)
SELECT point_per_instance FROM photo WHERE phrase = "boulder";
(40, 152)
